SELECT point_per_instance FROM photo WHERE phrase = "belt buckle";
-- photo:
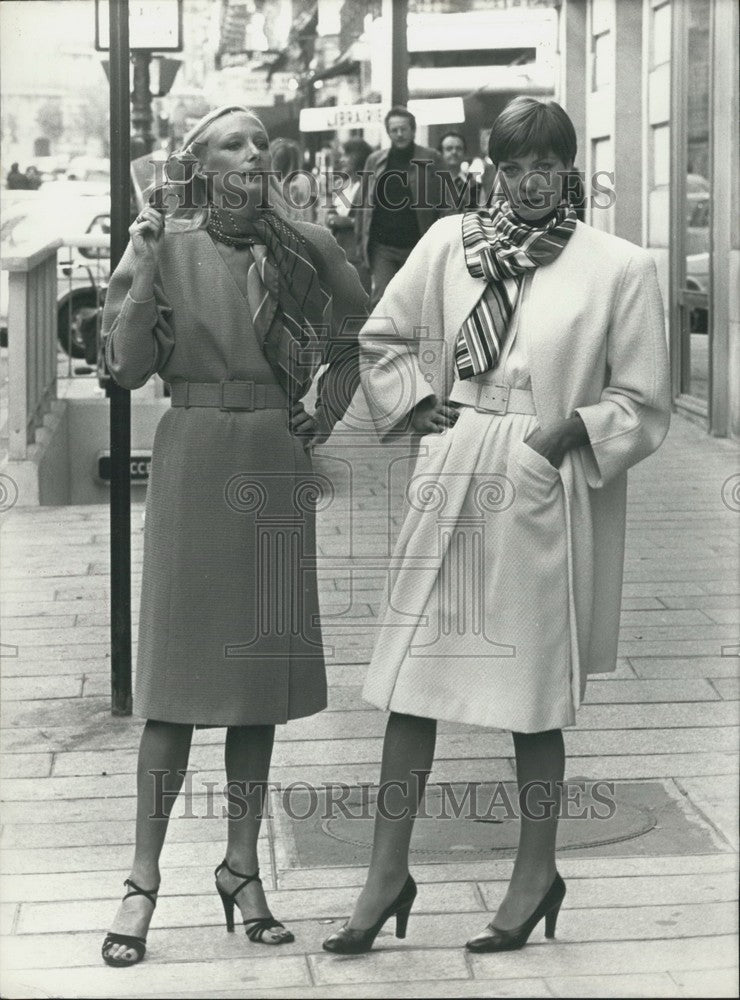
(225, 383)
(494, 398)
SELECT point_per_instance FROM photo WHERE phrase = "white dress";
(485, 536)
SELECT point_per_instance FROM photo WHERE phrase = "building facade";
(652, 87)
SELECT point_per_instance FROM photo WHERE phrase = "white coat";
(600, 350)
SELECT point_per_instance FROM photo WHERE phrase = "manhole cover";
(334, 825)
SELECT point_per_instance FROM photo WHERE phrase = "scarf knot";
(502, 249)
(291, 309)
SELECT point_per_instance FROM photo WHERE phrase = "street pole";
(120, 399)
(395, 16)
(141, 105)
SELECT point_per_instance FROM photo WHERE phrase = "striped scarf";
(290, 307)
(502, 250)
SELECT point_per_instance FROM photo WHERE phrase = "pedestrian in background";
(539, 377)
(298, 186)
(236, 309)
(461, 190)
(401, 199)
(343, 218)
(16, 181)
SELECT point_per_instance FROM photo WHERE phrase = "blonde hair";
(190, 192)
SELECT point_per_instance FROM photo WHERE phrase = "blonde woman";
(230, 304)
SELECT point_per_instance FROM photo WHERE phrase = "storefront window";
(661, 35)
(695, 315)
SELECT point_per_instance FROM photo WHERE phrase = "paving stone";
(723, 866)
(672, 668)
(192, 910)
(664, 617)
(111, 856)
(727, 687)
(389, 966)
(8, 917)
(568, 958)
(25, 688)
(648, 691)
(635, 890)
(651, 766)
(661, 715)
(19, 623)
(55, 636)
(672, 648)
(707, 983)
(26, 765)
(717, 797)
(101, 981)
(656, 984)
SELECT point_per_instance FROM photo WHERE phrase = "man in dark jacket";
(401, 200)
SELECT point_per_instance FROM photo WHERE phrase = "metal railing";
(33, 338)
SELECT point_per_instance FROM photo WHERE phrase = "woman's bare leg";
(163, 759)
(540, 767)
(408, 755)
(248, 755)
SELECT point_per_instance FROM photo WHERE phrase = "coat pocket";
(536, 466)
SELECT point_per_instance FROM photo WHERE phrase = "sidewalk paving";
(651, 914)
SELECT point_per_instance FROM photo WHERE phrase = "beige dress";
(497, 604)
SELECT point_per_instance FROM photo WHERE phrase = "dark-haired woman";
(231, 305)
(525, 350)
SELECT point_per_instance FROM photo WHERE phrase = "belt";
(228, 394)
(493, 398)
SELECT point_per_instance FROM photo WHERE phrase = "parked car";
(30, 218)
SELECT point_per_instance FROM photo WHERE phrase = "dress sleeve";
(336, 386)
(139, 336)
(632, 417)
(391, 376)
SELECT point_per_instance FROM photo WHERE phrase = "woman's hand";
(553, 442)
(146, 235)
(430, 416)
(305, 426)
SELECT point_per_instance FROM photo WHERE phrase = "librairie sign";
(443, 111)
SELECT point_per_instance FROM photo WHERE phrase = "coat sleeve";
(632, 417)
(392, 380)
(139, 336)
(338, 383)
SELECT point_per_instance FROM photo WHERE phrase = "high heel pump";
(497, 939)
(255, 928)
(135, 944)
(348, 941)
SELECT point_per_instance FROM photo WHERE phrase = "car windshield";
(40, 219)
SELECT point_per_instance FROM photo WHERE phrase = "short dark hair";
(453, 133)
(357, 148)
(399, 111)
(530, 125)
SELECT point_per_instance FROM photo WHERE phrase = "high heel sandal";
(348, 941)
(497, 939)
(137, 944)
(256, 927)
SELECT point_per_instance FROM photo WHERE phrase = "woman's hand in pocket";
(553, 442)
(431, 416)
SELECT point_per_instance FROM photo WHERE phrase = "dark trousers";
(385, 263)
